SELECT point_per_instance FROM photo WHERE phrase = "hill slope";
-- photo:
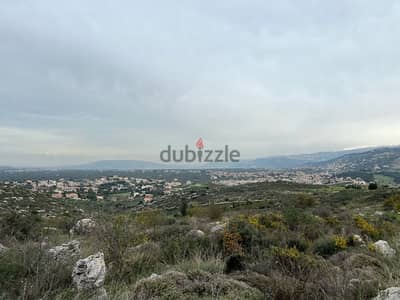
(376, 160)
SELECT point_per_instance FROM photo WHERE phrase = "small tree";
(373, 186)
(92, 195)
(184, 207)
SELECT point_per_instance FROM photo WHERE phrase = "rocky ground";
(262, 241)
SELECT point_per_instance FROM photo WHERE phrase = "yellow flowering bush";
(393, 202)
(371, 247)
(274, 221)
(286, 252)
(366, 227)
(340, 242)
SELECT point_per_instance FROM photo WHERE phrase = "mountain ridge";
(272, 162)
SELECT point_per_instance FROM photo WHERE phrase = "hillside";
(256, 241)
(376, 160)
(273, 162)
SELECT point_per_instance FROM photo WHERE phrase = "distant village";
(146, 190)
(229, 178)
(105, 187)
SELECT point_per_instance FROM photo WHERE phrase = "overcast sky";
(87, 80)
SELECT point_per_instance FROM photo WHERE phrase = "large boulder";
(383, 248)
(392, 293)
(83, 226)
(217, 228)
(66, 251)
(89, 275)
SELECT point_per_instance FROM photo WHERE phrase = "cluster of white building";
(71, 189)
(231, 178)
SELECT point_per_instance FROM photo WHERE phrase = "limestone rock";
(392, 293)
(383, 248)
(357, 240)
(217, 228)
(83, 226)
(65, 251)
(196, 233)
(154, 276)
(89, 275)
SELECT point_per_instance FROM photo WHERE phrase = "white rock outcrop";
(83, 226)
(358, 241)
(66, 251)
(195, 233)
(383, 248)
(217, 228)
(89, 275)
(392, 293)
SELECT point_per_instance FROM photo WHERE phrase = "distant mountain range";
(119, 165)
(363, 159)
(346, 159)
(299, 160)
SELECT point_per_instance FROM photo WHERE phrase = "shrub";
(274, 221)
(393, 202)
(371, 247)
(251, 237)
(64, 223)
(291, 253)
(213, 212)
(290, 261)
(234, 263)
(365, 227)
(373, 186)
(332, 221)
(254, 220)
(329, 246)
(183, 207)
(298, 243)
(20, 226)
(193, 285)
(116, 237)
(295, 217)
(232, 243)
(340, 242)
(182, 248)
(27, 272)
(305, 200)
(153, 218)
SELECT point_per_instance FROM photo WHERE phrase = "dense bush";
(393, 202)
(213, 212)
(373, 186)
(329, 246)
(366, 227)
(20, 226)
(28, 272)
(306, 200)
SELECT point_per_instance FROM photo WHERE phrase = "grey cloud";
(267, 77)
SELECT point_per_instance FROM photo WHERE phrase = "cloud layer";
(86, 80)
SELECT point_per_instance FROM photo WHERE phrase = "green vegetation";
(384, 180)
(259, 241)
